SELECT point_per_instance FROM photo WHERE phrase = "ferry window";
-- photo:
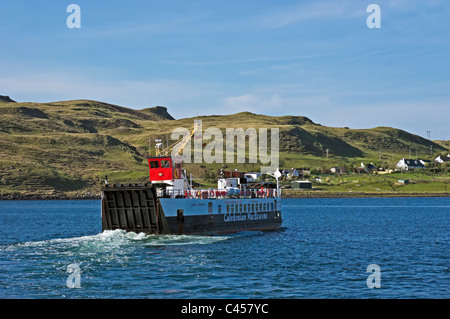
(260, 206)
(248, 208)
(271, 206)
(154, 164)
(275, 205)
(228, 208)
(253, 207)
(264, 206)
(165, 164)
(232, 208)
(219, 209)
(210, 208)
(236, 208)
(245, 208)
(240, 207)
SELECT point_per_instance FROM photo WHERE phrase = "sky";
(309, 58)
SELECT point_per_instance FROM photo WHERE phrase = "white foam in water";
(163, 240)
(119, 237)
(130, 237)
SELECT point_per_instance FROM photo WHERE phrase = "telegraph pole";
(149, 147)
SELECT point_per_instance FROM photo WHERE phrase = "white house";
(407, 164)
(252, 177)
(368, 167)
(442, 159)
(335, 170)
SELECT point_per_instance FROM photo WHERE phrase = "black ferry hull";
(216, 224)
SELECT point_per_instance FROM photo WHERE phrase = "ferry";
(169, 204)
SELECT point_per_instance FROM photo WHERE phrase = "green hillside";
(68, 147)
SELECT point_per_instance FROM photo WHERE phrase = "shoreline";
(359, 195)
(285, 194)
(48, 197)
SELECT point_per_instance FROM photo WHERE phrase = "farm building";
(301, 184)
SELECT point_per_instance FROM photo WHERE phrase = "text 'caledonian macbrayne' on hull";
(170, 205)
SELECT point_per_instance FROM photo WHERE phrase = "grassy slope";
(69, 146)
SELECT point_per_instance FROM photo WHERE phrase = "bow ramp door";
(132, 207)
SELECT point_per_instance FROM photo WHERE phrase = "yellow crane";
(180, 144)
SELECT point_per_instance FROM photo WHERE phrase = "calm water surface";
(324, 252)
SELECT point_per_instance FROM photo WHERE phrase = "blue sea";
(327, 250)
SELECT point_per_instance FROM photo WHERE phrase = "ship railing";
(218, 193)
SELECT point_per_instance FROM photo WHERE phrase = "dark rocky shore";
(48, 197)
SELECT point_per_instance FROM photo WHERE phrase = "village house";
(335, 170)
(408, 164)
(252, 176)
(290, 173)
(442, 159)
(365, 168)
(424, 162)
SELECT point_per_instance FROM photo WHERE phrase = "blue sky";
(311, 58)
